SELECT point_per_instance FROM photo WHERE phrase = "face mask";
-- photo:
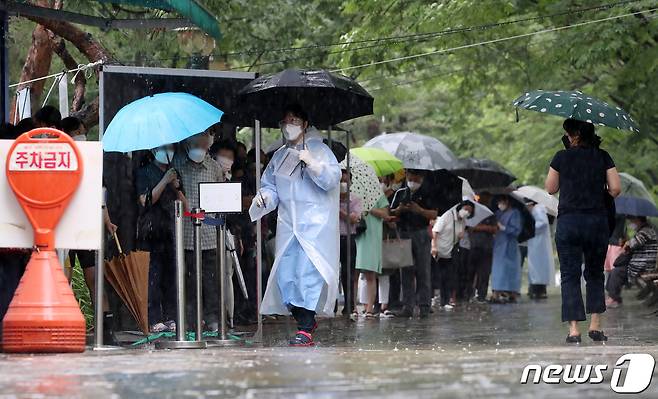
(383, 186)
(224, 163)
(196, 154)
(502, 207)
(464, 214)
(413, 186)
(343, 188)
(291, 132)
(164, 156)
(79, 137)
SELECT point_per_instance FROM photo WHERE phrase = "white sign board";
(220, 197)
(80, 225)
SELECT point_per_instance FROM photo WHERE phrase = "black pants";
(12, 267)
(465, 275)
(417, 280)
(617, 279)
(305, 318)
(535, 290)
(209, 287)
(480, 259)
(447, 273)
(578, 237)
(343, 270)
(162, 285)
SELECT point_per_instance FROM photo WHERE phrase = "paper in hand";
(290, 164)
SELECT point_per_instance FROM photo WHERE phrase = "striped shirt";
(191, 174)
(644, 248)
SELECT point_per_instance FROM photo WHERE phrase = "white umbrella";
(416, 151)
(540, 196)
(467, 190)
(481, 213)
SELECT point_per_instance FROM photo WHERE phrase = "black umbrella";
(446, 188)
(328, 98)
(483, 173)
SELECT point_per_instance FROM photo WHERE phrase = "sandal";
(573, 339)
(302, 338)
(386, 314)
(369, 315)
(597, 336)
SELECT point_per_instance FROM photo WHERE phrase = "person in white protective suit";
(303, 181)
(541, 262)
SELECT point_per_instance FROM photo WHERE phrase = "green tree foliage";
(463, 97)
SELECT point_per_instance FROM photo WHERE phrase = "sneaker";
(213, 326)
(171, 325)
(302, 338)
(387, 314)
(159, 327)
(448, 307)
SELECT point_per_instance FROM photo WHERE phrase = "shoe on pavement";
(159, 327)
(302, 338)
(386, 314)
(611, 303)
(448, 307)
(171, 325)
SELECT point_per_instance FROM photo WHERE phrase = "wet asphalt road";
(473, 351)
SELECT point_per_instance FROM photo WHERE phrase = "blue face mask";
(196, 154)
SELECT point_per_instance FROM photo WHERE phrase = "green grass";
(82, 294)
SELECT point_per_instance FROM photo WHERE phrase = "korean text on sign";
(43, 157)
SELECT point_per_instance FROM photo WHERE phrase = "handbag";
(361, 227)
(396, 253)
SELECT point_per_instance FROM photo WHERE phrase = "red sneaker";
(302, 338)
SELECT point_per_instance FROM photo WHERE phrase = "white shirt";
(448, 226)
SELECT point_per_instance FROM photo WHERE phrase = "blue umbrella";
(157, 120)
(634, 206)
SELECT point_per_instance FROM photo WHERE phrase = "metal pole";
(98, 304)
(222, 339)
(258, 336)
(348, 275)
(198, 269)
(181, 328)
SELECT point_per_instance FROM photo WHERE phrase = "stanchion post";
(98, 297)
(196, 222)
(258, 336)
(181, 322)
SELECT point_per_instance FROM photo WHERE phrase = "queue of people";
(450, 261)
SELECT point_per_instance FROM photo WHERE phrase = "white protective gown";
(541, 262)
(307, 234)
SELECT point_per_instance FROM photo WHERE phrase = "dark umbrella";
(446, 187)
(328, 98)
(483, 173)
(634, 206)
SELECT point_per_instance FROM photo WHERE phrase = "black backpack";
(527, 225)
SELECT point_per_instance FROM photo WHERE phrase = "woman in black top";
(585, 176)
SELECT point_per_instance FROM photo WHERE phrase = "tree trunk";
(59, 47)
(37, 64)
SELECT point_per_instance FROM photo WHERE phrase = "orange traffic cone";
(44, 315)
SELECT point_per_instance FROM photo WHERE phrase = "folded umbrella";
(416, 151)
(328, 98)
(539, 196)
(634, 206)
(365, 183)
(128, 275)
(381, 161)
(158, 120)
(483, 173)
(576, 105)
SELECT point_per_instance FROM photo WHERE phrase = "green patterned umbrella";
(576, 105)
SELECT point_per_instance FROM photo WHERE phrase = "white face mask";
(502, 207)
(343, 188)
(224, 163)
(384, 186)
(79, 137)
(196, 154)
(163, 156)
(291, 132)
(413, 186)
(463, 213)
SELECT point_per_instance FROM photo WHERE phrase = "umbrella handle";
(116, 240)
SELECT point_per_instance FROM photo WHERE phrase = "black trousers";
(480, 259)
(465, 275)
(582, 237)
(305, 318)
(343, 270)
(209, 287)
(416, 281)
(447, 278)
(162, 285)
(617, 279)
